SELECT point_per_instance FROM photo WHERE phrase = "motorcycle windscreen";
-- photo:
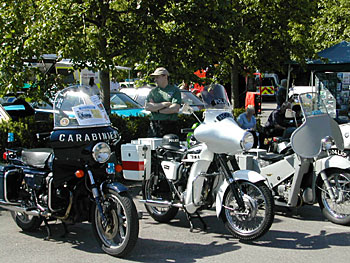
(306, 140)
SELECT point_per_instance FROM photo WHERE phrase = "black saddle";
(37, 157)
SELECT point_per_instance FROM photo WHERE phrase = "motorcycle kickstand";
(191, 217)
(48, 230)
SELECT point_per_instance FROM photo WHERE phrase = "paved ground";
(301, 235)
(266, 109)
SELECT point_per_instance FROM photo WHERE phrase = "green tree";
(331, 25)
(229, 37)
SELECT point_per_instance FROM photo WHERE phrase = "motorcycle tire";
(160, 214)
(26, 222)
(337, 212)
(258, 216)
(121, 234)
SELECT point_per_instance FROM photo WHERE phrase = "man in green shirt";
(164, 103)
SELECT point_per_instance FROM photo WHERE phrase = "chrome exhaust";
(18, 209)
(159, 203)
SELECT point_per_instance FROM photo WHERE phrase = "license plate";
(338, 152)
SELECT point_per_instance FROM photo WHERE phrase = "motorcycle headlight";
(101, 152)
(327, 143)
(247, 141)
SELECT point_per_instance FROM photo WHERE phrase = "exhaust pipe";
(18, 209)
(159, 203)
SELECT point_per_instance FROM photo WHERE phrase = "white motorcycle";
(306, 173)
(194, 179)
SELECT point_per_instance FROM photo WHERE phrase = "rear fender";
(240, 175)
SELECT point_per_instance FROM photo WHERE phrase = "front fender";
(115, 186)
(333, 161)
(240, 175)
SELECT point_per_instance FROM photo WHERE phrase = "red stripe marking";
(133, 166)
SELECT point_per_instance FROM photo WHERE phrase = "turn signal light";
(79, 174)
(118, 168)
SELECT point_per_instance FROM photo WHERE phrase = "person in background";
(164, 103)
(276, 124)
(247, 121)
(94, 90)
(281, 93)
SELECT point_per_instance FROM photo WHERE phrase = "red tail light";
(4, 156)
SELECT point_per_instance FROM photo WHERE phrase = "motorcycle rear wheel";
(120, 235)
(337, 212)
(149, 192)
(26, 222)
(258, 216)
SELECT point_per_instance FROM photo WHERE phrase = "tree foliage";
(225, 36)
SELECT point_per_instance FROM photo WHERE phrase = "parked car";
(121, 104)
(140, 95)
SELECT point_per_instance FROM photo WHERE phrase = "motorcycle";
(195, 178)
(73, 181)
(304, 172)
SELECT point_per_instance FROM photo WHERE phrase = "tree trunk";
(105, 89)
(234, 87)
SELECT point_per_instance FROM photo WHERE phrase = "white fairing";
(220, 132)
(195, 182)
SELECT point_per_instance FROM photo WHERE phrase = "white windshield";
(76, 107)
(214, 96)
(312, 104)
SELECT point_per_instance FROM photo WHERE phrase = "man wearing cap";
(164, 103)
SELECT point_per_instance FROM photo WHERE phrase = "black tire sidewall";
(132, 230)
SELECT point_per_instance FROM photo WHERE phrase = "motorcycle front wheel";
(26, 222)
(118, 237)
(258, 215)
(156, 188)
(337, 211)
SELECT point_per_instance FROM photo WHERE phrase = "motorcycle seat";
(272, 157)
(37, 157)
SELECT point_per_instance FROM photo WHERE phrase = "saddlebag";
(10, 180)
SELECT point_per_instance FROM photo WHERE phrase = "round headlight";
(247, 141)
(327, 143)
(101, 152)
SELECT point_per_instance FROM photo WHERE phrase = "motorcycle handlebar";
(187, 130)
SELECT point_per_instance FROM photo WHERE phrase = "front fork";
(328, 186)
(232, 183)
(97, 197)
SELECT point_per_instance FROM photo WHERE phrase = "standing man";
(281, 93)
(164, 103)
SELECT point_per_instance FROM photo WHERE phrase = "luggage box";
(152, 142)
(134, 160)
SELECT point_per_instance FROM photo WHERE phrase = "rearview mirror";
(187, 109)
(289, 114)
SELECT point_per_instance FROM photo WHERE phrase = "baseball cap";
(160, 71)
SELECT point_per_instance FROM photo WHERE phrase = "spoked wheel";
(27, 222)
(120, 233)
(337, 210)
(157, 189)
(258, 215)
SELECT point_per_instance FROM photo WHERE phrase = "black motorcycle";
(73, 180)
